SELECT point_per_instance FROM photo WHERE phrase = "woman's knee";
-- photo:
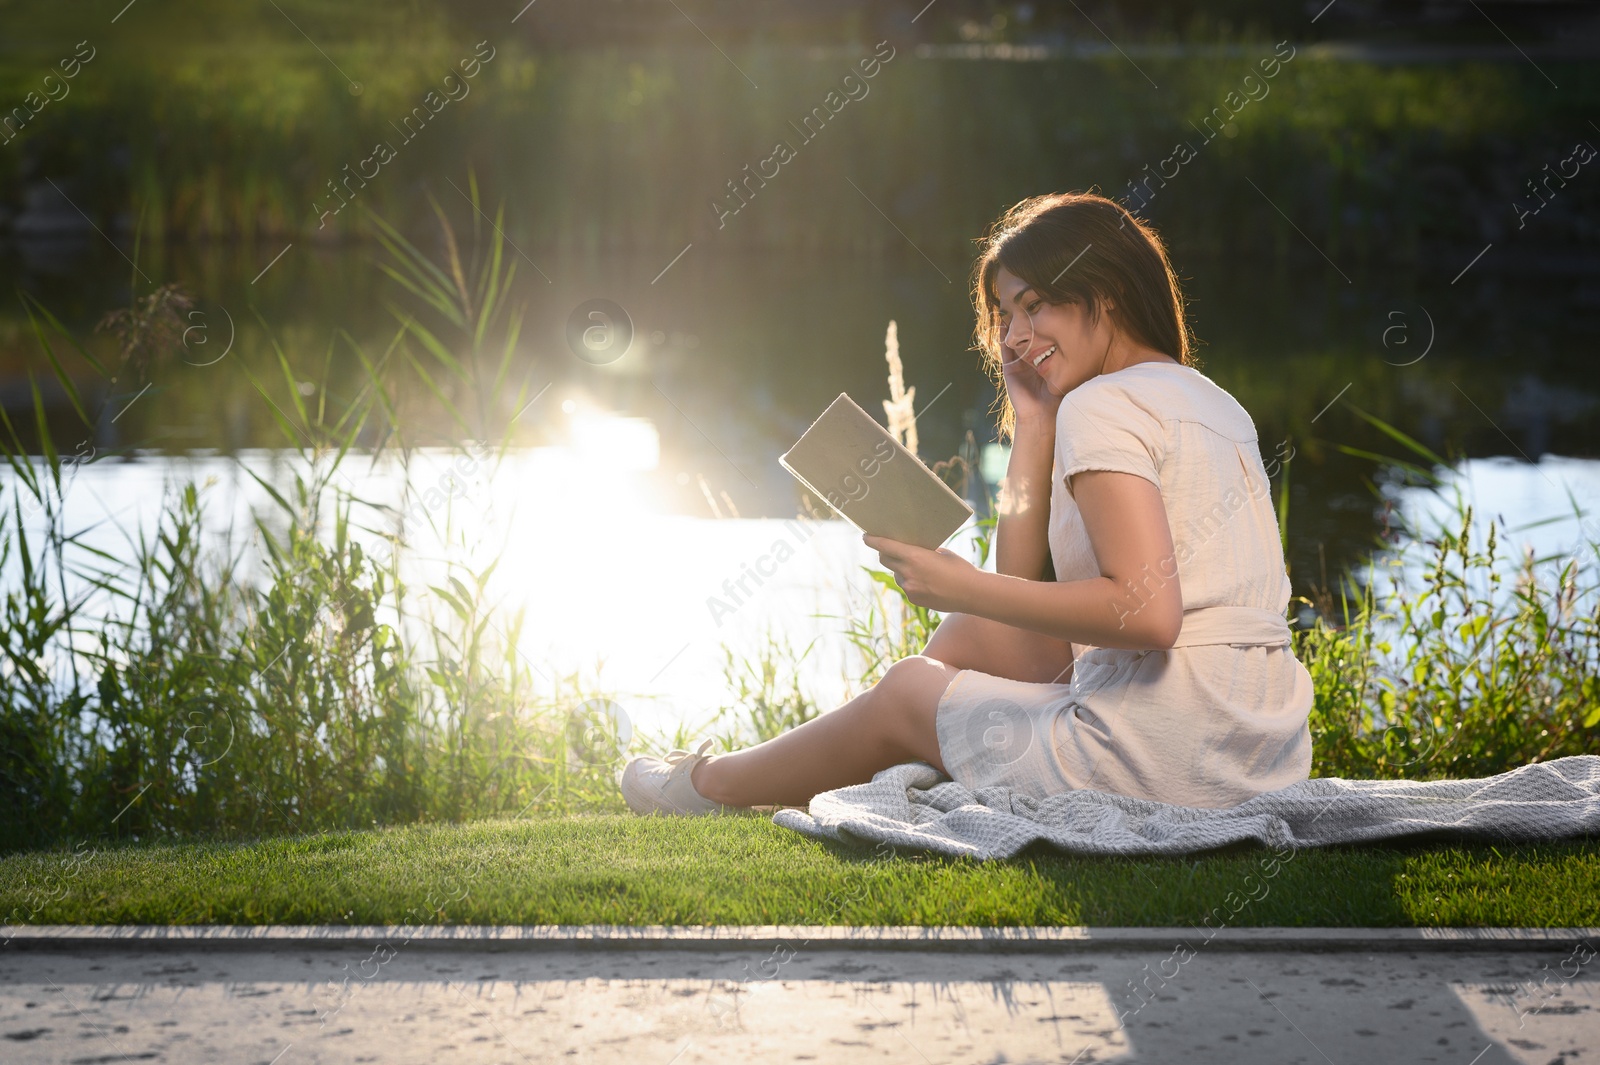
(919, 675)
(908, 699)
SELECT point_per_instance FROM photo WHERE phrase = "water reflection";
(734, 355)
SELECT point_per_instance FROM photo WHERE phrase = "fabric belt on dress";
(1240, 625)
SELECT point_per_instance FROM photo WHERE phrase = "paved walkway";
(403, 995)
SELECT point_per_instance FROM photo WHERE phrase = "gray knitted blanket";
(915, 806)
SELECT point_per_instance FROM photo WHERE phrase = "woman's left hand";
(935, 580)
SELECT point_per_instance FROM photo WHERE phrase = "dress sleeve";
(1103, 428)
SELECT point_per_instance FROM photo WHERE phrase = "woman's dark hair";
(1109, 252)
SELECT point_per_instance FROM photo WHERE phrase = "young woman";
(1133, 637)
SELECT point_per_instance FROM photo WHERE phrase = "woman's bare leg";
(889, 723)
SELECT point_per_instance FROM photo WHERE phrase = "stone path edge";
(101, 938)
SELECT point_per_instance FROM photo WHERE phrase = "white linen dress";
(1221, 716)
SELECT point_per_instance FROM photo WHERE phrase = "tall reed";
(188, 693)
(1444, 658)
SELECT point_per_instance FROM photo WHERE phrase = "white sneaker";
(662, 785)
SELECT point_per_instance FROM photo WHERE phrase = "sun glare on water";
(629, 595)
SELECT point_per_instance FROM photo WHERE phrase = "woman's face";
(1029, 327)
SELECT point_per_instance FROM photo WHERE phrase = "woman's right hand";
(1030, 397)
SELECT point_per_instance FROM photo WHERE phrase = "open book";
(860, 470)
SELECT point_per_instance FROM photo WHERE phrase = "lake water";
(644, 603)
(640, 491)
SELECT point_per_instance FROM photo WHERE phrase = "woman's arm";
(1136, 601)
(1022, 544)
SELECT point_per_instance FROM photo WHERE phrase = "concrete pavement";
(652, 997)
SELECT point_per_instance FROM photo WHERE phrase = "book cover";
(869, 478)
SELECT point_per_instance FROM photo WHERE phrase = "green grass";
(745, 870)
